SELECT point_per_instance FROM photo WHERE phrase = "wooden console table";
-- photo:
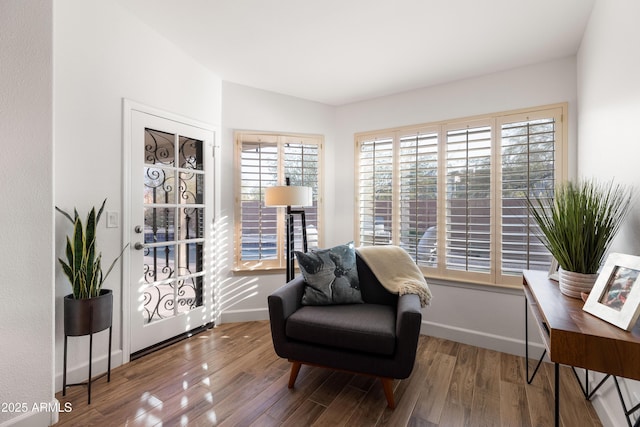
(576, 338)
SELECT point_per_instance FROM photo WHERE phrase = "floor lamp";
(290, 195)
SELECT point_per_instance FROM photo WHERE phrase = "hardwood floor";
(230, 376)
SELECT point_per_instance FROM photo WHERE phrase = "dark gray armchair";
(377, 338)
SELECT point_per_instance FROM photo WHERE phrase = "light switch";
(112, 219)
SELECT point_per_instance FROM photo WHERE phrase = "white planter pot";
(572, 284)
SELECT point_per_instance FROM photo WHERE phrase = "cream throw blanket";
(396, 270)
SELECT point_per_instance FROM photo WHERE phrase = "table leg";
(526, 334)
(526, 344)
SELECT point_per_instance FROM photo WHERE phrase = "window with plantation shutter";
(265, 160)
(527, 154)
(375, 177)
(453, 194)
(301, 165)
(468, 198)
(259, 225)
(418, 178)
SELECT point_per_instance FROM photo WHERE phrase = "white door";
(171, 218)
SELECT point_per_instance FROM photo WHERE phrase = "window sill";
(483, 287)
(254, 271)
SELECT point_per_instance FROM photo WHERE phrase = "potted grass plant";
(577, 226)
(88, 308)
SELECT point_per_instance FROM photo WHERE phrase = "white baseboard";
(233, 316)
(606, 401)
(481, 339)
(80, 373)
(40, 414)
(608, 415)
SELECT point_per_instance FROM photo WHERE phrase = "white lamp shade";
(288, 195)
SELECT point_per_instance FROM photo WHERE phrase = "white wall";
(608, 70)
(609, 95)
(102, 55)
(486, 317)
(26, 191)
(243, 296)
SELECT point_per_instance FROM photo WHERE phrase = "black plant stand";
(86, 317)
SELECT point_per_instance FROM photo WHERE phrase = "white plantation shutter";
(418, 198)
(302, 166)
(453, 194)
(259, 226)
(527, 153)
(468, 199)
(265, 160)
(375, 191)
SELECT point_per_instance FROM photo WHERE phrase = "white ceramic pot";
(572, 284)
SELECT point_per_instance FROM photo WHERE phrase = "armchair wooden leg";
(295, 368)
(387, 385)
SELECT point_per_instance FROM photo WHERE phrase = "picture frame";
(615, 297)
(553, 270)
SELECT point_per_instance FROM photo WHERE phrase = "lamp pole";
(287, 196)
(291, 235)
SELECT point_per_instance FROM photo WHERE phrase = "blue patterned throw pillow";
(331, 276)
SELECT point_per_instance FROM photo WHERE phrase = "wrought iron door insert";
(174, 214)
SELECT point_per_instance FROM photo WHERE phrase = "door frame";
(128, 107)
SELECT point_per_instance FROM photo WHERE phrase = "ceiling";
(342, 51)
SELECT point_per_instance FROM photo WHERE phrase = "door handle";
(138, 246)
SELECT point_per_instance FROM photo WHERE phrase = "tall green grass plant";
(578, 225)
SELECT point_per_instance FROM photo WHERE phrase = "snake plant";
(579, 223)
(83, 266)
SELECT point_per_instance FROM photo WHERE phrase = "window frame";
(280, 140)
(495, 120)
